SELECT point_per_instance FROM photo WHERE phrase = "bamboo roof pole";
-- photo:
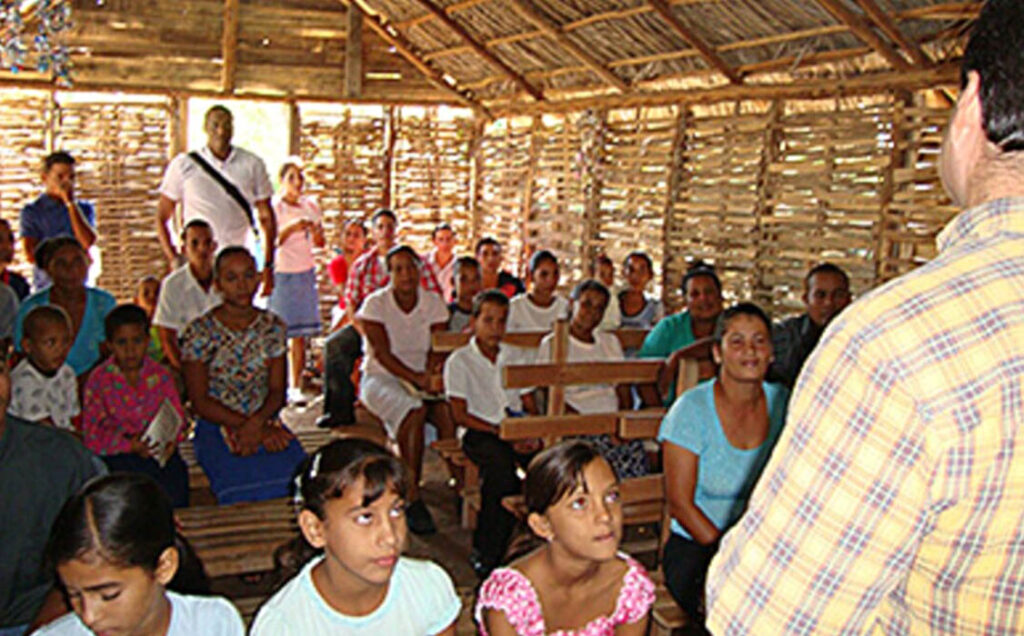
(353, 52)
(481, 50)
(527, 10)
(861, 29)
(713, 59)
(404, 48)
(229, 47)
(889, 28)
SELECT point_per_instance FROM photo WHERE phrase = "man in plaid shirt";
(894, 501)
(367, 274)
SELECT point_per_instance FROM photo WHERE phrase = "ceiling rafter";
(229, 47)
(481, 50)
(862, 30)
(526, 9)
(707, 52)
(889, 28)
(405, 48)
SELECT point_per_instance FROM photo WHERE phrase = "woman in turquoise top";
(67, 265)
(702, 295)
(716, 440)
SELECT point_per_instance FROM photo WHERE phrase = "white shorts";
(386, 398)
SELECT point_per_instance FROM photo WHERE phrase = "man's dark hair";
(593, 285)
(127, 314)
(196, 222)
(441, 227)
(55, 158)
(383, 212)
(492, 296)
(826, 268)
(700, 268)
(996, 51)
(484, 242)
(221, 108)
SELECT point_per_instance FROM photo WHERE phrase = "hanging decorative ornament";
(47, 52)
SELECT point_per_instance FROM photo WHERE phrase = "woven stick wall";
(24, 133)
(121, 150)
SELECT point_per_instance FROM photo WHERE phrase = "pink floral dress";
(509, 591)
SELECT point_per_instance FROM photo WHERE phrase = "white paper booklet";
(163, 428)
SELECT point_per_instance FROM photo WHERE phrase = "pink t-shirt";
(296, 253)
(509, 591)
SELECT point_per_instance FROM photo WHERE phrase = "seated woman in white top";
(119, 561)
(587, 343)
(541, 307)
(396, 322)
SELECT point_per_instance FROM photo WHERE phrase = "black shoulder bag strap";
(229, 187)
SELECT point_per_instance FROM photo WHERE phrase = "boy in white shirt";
(43, 387)
(589, 344)
(479, 402)
(539, 309)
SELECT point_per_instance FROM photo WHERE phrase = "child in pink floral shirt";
(122, 396)
(576, 583)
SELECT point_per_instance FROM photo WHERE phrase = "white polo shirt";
(182, 300)
(469, 375)
(202, 197)
(589, 398)
(523, 315)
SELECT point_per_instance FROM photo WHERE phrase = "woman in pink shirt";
(294, 297)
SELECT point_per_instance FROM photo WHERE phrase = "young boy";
(466, 279)
(146, 296)
(588, 344)
(541, 307)
(472, 380)
(43, 386)
(188, 291)
(123, 395)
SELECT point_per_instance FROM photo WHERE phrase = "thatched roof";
(498, 54)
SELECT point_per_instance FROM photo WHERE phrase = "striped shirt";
(894, 501)
(369, 273)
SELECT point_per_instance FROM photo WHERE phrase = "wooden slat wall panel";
(121, 150)
(504, 158)
(432, 174)
(23, 144)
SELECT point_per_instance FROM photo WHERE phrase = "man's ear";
(167, 565)
(312, 529)
(540, 526)
(968, 121)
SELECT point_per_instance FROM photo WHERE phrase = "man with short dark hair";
(55, 213)
(826, 293)
(220, 183)
(489, 254)
(893, 502)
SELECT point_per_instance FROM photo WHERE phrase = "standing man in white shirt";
(222, 184)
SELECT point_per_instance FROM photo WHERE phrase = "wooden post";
(594, 183)
(294, 130)
(390, 133)
(677, 169)
(229, 47)
(178, 107)
(527, 197)
(769, 155)
(475, 174)
(898, 158)
(354, 51)
(559, 355)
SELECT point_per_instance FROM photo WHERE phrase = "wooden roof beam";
(229, 47)
(354, 52)
(889, 28)
(862, 30)
(713, 59)
(481, 50)
(404, 48)
(526, 9)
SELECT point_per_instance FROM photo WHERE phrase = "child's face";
(6, 244)
(363, 543)
(606, 274)
(68, 267)
(237, 280)
(149, 290)
(545, 278)
(489, 326)
(587, 522)
(112, 600)
(588, 310)
(199, 248)
(128, 343)
(49, 345)
(637, 273)
(467, 284)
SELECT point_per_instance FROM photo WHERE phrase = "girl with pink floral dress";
(576, 583)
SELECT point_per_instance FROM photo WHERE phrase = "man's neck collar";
(217, 156)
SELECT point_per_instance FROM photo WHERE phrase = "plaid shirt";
(894, 501)
(369, 273)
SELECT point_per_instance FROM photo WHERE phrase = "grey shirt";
(40, 467)
(8, 310)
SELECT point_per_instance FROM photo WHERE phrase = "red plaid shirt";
(369, 273)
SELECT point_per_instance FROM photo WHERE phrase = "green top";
(671, 334)
(155, 350)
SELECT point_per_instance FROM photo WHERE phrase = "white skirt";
(386, 398)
